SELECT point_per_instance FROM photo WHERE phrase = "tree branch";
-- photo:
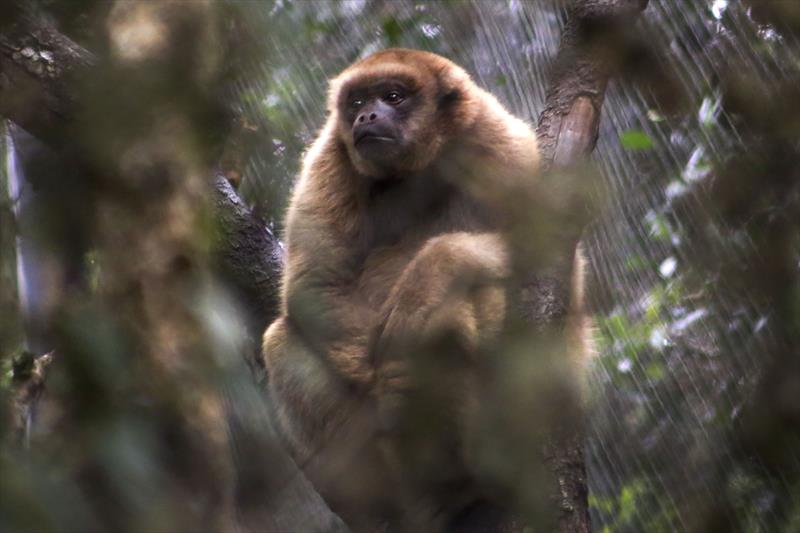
(37, 67)
(249, 256)
(569, 123)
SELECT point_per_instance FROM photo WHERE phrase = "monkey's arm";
(536, 212)
(320, 301)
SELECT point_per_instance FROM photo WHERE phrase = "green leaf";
(635, 140)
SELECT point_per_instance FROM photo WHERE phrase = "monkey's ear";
(452, 82)
(447, 98)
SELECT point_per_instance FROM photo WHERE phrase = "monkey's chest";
(382, 268)
(397, 228)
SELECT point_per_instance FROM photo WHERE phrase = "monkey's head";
(395, 110)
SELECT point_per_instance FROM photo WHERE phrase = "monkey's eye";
(393, 97)
(356, 103)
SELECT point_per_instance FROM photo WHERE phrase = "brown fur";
(379, 274)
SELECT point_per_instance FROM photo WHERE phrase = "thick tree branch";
(249, 255)
(37, 67)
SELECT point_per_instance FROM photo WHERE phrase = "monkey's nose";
(371, 117)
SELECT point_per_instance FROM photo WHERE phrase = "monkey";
(402, 241)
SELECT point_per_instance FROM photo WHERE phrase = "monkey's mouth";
(375, 133)
(377, 143)
(370, 137)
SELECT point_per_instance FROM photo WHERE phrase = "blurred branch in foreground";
(135, 359)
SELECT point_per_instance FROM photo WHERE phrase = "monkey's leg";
(448, 301)
(328, 424)
(453, 287)
(301, 387)
(447, 304)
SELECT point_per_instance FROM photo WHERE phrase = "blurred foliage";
(694, 330)
(694, 261)
(130, 436)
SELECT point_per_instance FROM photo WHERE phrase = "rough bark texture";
(37, 64)
(249, 256)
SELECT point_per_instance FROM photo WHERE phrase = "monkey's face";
(377, 125)
(395, 110)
